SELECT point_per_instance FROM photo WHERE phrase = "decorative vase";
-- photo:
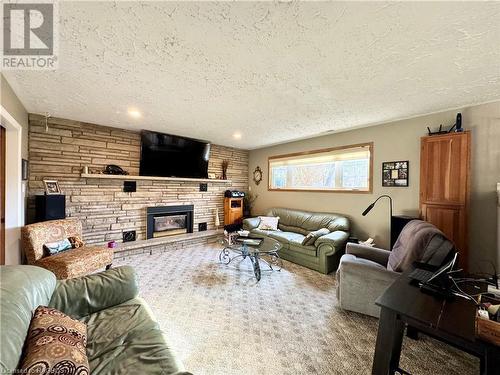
(225, 164)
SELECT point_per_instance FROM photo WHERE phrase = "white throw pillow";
(311, 238)
(268, 223)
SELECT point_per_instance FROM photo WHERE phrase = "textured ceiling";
(272, 71)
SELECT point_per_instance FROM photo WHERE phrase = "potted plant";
(248, 202)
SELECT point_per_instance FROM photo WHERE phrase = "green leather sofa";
(294, 225)
(123, 336)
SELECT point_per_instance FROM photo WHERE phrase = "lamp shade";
(368, 209)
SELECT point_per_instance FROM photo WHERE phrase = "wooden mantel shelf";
(152, 178)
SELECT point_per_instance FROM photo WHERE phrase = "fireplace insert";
(169, 220)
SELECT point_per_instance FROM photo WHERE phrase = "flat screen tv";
(168, 155)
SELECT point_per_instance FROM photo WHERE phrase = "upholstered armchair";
(365, 272)
(70, 263)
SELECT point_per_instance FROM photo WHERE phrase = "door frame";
(3, 135)
(14, 202)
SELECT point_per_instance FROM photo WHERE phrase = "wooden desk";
(452, 322)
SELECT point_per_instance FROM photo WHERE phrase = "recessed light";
(237, 135)
(134, 113)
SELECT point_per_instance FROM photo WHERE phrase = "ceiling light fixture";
(237, 135)
(134, 113)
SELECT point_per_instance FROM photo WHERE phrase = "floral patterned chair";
(70, 263)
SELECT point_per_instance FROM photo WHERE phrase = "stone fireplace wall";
(105, 210)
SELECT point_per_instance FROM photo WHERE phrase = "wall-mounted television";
(169, 155)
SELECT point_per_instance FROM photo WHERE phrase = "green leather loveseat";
(294, 225)
(123, 336)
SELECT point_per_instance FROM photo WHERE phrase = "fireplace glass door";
(169, 225)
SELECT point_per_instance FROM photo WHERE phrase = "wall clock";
(257, 175)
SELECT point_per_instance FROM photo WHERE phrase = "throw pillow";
(55, 344)
(52, 248)
(76, 242)
(311, 238)
(268, 223)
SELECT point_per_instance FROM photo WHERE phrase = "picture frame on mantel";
(395, 173)
(51, 187)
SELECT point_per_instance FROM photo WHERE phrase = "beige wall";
(12, 104)
(484, 120)
(399, 141)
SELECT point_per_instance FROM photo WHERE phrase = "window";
(339, 169)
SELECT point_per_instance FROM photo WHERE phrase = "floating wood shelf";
(152, 178)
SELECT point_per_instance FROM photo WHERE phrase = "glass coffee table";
(253, 249)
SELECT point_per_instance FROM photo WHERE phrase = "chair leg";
(109, 266)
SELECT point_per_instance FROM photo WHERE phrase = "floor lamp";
(369, 208)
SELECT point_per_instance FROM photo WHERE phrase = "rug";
(219, 320)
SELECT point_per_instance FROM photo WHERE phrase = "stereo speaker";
(50, 207)
(129, 186)
(129, 236)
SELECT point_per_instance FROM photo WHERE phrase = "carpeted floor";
(220, 321)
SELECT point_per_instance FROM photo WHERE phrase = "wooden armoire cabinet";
(444, 186)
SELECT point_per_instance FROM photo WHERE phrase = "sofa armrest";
(360, 282)
(251, 223)
(374, 254)
(88, 294)
(368, 271)
(337, 239)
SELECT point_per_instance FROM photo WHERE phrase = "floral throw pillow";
(55, 345)
(268, 223)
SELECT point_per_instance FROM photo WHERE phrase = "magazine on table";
(250, 241)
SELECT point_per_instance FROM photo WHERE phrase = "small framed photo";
(24, 169)
(395, 173)
(52, 187)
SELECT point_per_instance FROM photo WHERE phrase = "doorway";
(13, 187)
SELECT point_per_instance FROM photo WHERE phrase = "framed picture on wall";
(395, 173)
